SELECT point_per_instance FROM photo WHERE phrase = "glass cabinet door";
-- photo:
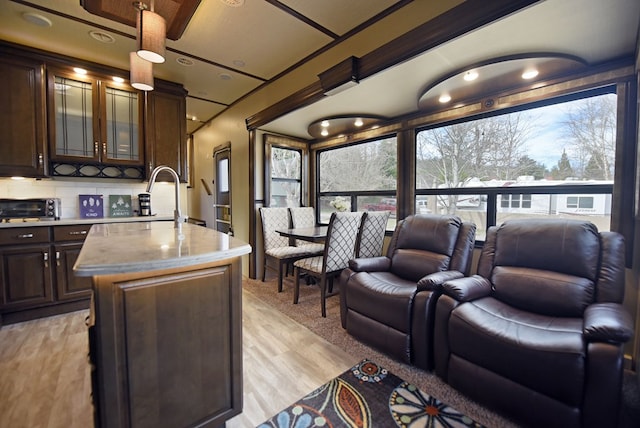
(76, 131)
(95, 120)
(121, 135)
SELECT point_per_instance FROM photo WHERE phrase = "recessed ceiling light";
(233, 3)
(444, 98)
(185, 61)
(324, 123)
(470, 75)
(102, 37)
(324, 132)
(358, 122)
(239, 63)
(225, 76)
(530, 74)
(79, 70)
(118, 79)
(36, 19)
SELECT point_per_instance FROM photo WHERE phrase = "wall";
(68, 189)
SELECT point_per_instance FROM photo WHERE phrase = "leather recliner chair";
(538, 334)
(388, 302)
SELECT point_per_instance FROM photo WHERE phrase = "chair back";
(554, 267)
(274, 219)
(372, 230)
(426, 243)
(302, 217)
(342, 235)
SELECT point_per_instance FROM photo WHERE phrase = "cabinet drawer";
(24, 235)
(76, 232)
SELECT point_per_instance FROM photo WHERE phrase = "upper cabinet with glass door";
(94, 126)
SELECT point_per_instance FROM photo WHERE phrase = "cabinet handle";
(76, 232)
(95, 148)
(40, 159)
(46, 259)
(104, 149)
(25, 236)
(57, 258)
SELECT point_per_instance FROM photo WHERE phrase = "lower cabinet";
(36, 272)
(166, 347)
(67, 243)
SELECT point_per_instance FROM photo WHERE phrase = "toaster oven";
(33, 208)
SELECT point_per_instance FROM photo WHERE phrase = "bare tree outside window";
(366, 166)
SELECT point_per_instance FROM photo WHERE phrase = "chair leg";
(264, 268)
(296, 288)
(323, 295)
(281, 264)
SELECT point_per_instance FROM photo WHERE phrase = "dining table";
(311, 234)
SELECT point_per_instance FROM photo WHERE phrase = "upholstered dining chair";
(371, 239)
(305, 217)
(276, 247)
(538, 333)
(339, 248)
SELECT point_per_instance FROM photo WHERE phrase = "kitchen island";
(165, 333)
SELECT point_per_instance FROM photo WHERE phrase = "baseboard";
(629, 363)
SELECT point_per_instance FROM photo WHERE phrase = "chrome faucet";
(178, 219)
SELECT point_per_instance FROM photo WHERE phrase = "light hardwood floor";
(44, 372)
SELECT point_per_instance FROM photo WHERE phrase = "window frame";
(353, 195)
(287, 143)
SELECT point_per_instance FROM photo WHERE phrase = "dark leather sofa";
(388, 302)
(538, 333)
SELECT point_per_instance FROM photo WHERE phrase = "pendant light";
(141, 72)
(151, 31)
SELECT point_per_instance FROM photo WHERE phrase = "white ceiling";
(237, 49)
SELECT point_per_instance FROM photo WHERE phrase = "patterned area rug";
(368, 395)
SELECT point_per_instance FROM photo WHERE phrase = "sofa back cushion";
(542, 291)
(546, 266)
(424, 244)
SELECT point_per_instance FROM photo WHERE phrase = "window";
(515, 201)
(358, 177)
(285, 163)
(585, 202)
(557, 159)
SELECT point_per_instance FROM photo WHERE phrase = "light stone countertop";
(73, 221)
(146, 246)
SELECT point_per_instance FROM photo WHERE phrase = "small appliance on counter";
(32, 209)
(144, 200)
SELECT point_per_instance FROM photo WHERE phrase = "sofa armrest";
(607, 322)
(434, 281)
(467, 288)
(370, 264)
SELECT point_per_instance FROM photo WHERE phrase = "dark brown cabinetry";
(56, 122)
(67, 245)
(36, 276)
(94, 124)
(166, 347)
(25, 268)
(165, 130)
(22, 117)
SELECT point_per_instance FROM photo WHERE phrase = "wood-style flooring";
(44, 371)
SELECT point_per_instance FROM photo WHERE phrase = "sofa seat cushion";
(543, 353)
(382, 296)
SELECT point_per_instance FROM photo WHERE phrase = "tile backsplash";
(67, 190)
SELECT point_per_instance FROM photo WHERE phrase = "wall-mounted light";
(151, 32)
(141, 72)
